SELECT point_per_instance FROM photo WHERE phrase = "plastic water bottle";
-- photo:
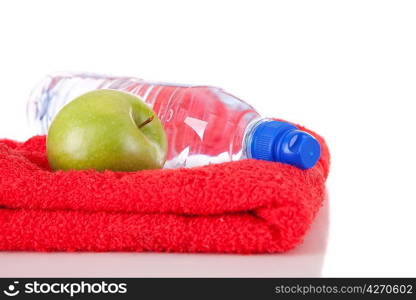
(204, 124)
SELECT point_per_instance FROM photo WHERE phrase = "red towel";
(249, 206)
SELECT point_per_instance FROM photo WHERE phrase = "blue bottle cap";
(283, 142)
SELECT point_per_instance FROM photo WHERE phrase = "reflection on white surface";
(305, 261)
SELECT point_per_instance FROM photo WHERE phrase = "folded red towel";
(248, 206)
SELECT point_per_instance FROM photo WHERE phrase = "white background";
(346, 69)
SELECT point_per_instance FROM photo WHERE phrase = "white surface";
(346, 69)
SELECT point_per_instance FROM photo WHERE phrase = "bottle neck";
(248, 135)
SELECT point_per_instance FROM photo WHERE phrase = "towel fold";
(248, 206)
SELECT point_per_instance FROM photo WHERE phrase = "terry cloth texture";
(248, 206)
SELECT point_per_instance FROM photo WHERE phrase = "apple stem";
(147, 121)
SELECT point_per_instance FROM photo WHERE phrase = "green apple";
(106, 130)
